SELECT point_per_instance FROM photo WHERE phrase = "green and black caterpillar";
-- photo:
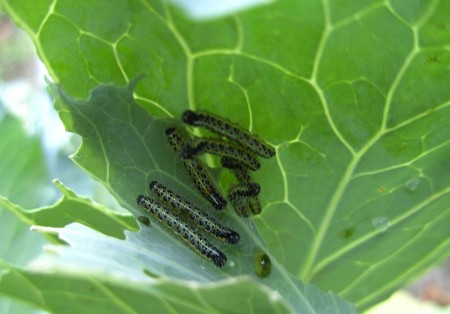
(181, 229)
(205, 222)
(238, 154)
(214, 146)
(230, 130)
(197, 171)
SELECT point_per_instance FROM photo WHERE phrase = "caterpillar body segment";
(243, 197)
(228, 129)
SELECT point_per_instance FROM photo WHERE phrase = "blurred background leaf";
(24, 179)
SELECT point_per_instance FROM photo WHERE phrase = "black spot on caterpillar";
(199, 244)
(194, 214)
(230, 130)
(197, 171)
(219, 147)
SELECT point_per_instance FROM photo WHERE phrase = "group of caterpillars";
(238, 150)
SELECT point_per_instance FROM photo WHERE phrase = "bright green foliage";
(353, 94)
(23, 179)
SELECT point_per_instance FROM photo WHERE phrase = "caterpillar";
(226, 128)
(240, 206)
(244, 195)
(254, 205)
(199, 244)
(207, 223)
(197, 171)
(219, 147)
(244, 190)
(243, 175)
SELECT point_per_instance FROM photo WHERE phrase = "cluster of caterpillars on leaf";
(239, 151)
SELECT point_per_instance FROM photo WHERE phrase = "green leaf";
(87, 294)
(22, 165)
(23, 177)
(92, 258)
(353, 94)
(73, 208)
(122, 126)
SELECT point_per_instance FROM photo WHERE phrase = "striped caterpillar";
(242, 174)
(219, 147)
(197, 171)
(205, 222)
(198, 243)
(230, 130)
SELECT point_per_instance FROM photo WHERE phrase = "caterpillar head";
(189, 117)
